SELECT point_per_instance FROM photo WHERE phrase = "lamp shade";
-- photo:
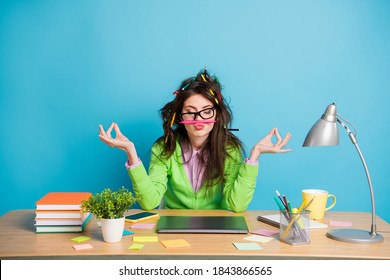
(324, 132)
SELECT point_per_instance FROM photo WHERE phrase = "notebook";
(274, 220)
(202, 224)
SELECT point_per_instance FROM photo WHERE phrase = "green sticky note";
(135, 246)
(80, 239)
(247, 246)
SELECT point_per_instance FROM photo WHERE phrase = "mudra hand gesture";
(120, 141)
(266, 145)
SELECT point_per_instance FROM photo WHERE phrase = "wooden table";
(18, 240)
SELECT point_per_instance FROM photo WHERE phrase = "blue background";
(68, 66)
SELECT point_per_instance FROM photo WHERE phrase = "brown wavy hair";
(220, 138)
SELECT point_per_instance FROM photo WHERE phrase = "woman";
(198, 163)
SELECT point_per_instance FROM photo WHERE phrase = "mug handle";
(333, 203)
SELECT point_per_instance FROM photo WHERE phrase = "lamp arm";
(354, 141)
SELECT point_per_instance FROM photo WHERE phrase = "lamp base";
(354, 236)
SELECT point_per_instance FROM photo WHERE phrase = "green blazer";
(167, 179)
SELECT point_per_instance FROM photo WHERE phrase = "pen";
(282, 209)
(278, 194)
(286, 203)
(278, 203)
(292, 222)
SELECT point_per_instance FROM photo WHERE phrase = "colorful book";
(63, 228)
(58, 214)
(62, 200)
(61, 221)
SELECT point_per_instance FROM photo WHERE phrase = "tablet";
(202, 224)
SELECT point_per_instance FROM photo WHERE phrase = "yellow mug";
(318, 205)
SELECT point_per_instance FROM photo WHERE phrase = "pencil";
(309, 202)
(292, 222)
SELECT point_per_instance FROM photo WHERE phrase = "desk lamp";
(325, 133)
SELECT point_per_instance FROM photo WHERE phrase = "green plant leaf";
(110, 204)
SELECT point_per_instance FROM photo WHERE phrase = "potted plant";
(110, 206)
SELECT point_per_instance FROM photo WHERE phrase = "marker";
(278, 194)
(281, 208)
(292, 222)
(286, 203)
(198, 122)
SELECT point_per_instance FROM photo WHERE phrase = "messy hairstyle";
(220, 138)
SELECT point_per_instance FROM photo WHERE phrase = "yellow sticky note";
(145, 239)
(175, 243)
(135, 246)
(80, 239)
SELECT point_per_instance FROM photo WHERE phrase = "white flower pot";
(112, 229)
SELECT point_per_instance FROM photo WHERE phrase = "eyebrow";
(204, 107)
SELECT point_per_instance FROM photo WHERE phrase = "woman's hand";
(266, 145)
(120, 141)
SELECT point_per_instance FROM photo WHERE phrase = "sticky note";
(145, 239)
(126, 232)
(265, 232)
(143, 226)
(82, 246)
(80, 239)
(175, 243)
(135, 246)
(247, 246)
(340, 224)
(258, 238)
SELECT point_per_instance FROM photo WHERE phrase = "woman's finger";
(101, 130)
(285, 140)
(108, 132)
(117, 130)
(284, 143)
(278, 137)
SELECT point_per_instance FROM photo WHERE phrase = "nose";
(197, 117)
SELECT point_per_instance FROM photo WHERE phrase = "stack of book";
(61, 212)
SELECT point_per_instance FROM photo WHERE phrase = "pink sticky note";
(82, 246)
(340, 224)
(265, 232)
(143, 226)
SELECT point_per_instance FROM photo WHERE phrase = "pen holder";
(294, 227)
